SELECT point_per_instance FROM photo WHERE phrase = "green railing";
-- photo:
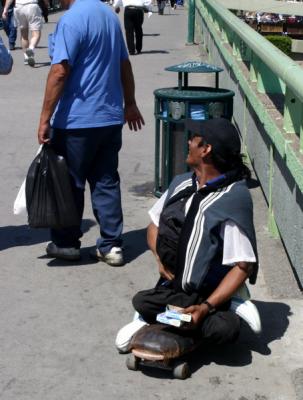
(271, 84)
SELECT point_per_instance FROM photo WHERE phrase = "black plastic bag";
(49, 197)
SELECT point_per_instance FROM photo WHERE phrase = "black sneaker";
(65, 253)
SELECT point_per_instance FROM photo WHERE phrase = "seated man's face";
(194, 152)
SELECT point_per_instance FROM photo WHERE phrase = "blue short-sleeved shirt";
(89, 37)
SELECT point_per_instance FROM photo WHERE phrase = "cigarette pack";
(178, 315)
(169, 321)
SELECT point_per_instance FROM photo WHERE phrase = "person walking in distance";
(90, 76)
(29, 18)
(133, 21)
(9, 26)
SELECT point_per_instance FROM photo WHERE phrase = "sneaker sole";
(63, 257)
(95, 257)
(31, 62)
(30, 55)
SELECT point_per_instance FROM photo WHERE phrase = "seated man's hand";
(165, 272)
(198, 313)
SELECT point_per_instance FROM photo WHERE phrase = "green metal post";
(272, 226)
(191, 22)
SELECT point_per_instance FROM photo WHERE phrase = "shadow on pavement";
(151, 34)
(23, 235)
(275, 320)
(85, 260)
(44, 64)
(144, 189)
(155, 52)
(135, 244)
(253, 183)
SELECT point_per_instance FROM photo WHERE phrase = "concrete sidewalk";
(59, 320)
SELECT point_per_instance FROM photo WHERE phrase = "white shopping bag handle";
(20, 202)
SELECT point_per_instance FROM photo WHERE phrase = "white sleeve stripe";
(182, 186)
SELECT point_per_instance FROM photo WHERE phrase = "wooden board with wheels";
(164, 347)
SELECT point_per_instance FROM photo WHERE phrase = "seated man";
(203, 238)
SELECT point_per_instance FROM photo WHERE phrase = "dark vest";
(191, 246)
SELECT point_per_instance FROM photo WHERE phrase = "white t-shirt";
(236, 246)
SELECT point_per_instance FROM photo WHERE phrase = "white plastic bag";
(20, 202)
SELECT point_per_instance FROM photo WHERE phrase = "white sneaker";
(114, 257)
(125, 334)
(30, 57)
(247, 311)
(65, 253)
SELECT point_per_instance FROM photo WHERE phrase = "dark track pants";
(92, 155)
(133, 21)
(218, 328)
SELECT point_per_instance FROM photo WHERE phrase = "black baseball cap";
(219, 132)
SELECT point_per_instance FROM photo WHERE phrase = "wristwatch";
(211, 308)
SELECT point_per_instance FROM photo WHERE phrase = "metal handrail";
(282, 66)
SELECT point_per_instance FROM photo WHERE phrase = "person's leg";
(12, 37)
(129, 30)
(161, 6)
(78, 147)
(138, 22)
(104, 183)
(151, 302)
(10, 29)
(35, 23)
(221, 327)
(34, 40)
(24, 39)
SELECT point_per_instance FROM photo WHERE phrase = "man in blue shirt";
(89, 78)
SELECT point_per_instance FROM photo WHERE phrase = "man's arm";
(6, 7)
(227, 287)
(152, 234)
(54, 88)
(131, 112)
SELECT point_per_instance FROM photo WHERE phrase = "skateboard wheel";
(132, 362)
(182, 371)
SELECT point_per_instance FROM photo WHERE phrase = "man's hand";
(133, 117)
(165, 272)
(198, 313)
(44, 133)
(4, 14)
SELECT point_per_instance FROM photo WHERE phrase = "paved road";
(59, 320)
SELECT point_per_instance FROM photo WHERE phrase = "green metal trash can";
(172, 107)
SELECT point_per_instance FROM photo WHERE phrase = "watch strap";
(211, 308)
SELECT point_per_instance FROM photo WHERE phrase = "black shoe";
(131, 53)
(12, 46)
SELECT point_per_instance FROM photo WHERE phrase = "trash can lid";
(194, 66)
